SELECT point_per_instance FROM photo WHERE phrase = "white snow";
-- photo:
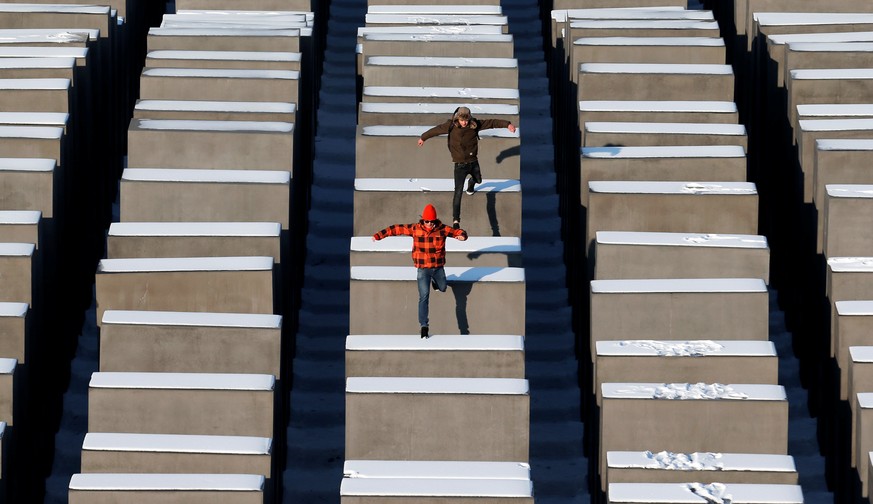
(664, 151)
(206, 125)
(183, 381)
(154, 264)
(691, 391)
(864, 191)
(226, 55)
(12, 309)
(34, 132)
(453, 274)
(473, 244)
(438, 37)
(652, 24)
(832, 74)
(844, 144)
(681, 239)
(666, 128)
(693, 348)
(35, 118)
(810, 18)
(42, 84)
(216, 106)
(432, 185)
(441, 61)
(17, 63)
(861, 353)
(43, 35)
(206, 176)
(657, 68)
(855, 307)
(193, 319)
(431, 29)
(834, 109)
(61, 51)
(27, 164)
(865, 400)
(830, 47)
(222, 73)
(442, 92)
(177, 443)
(668, 187)
(835, 124)
(701, 461)
(788, 38)
(20, 216)
(466, 342)
(56, 8)
(696, 493)
(7, 366)
(851, 264)
(17, 249)
(434, 19)
(465, 488)
(454, 469)
(241, 229)
(416, 131)
(677, 285)
(492, 10)
(414, 385)
(438, 108)
(651, 41)
(167, 482)
(222, 32)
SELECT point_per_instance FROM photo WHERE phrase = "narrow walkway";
(316, 429)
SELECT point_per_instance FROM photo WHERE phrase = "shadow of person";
(505, 153)
(461, 290)
(491, 210)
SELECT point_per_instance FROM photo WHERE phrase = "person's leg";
(424, 277)
(439, 279)
(475, 172)
(460, 176)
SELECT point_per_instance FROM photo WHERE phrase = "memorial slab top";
(657, 106)
(183, 381)
(668, 187)
(26, 164)
(167, 264)
(453, 273)
(677, 285)
(222, 32)
(702, 461)
(438, 108)
(167, 482)
(177, 443)
(657, 68)
(207, 125)
(650, 41)
(697, 391)
(225, 73)
(855, 307)
(854, 191)
(810, 18)
(681, 239)
(737, 493)
(11, 309)
(431, 29)
(834, 109)
(788, 38)
(216, 106)
(693, 348)
(851, 264)
(44, 84)
(403, 244)
(437, 37)
(442, 92)
(192, 319)
(17, 249)
(477, 342)
(206, 176)
(664, 151)
(657, 12)
(441, 61)
(240, 229)
(832, 74)
(835, 124)
(28, 217)
(225, 55)
(861, 354)
(435, 469)
(433, 185)
(45, 35)
(432, 487)
(458, 9)
(415, 385)
(32, 132)
(655, 24)
(7, 366)
(55, 8)
(437, 19)
(416, 131)
(666, 127)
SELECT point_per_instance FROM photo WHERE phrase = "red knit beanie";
(429, 212)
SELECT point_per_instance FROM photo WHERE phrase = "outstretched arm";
(458, 234)
(496, 123)
(441, 129)
(394, 230)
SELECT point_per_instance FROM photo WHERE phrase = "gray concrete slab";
(473, 419)
(453, 95)
(864, 437)
(809, 132)
(428, 114)
(854, 320)
(681, 493)
(496, 251)
(721, 112)
(15, 331)
(215, 110)
(190, 342)
(857, 375)
(219, 84)
(628, 81)
(705, 467)
(628, 255)
(602, 134)
(239, 39)
(847, 279)
(405, 71)
(260, 60)
(847, 212)
(480, 300)
(109, 488)
(839, 161)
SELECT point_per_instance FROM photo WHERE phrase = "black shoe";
(424, 332)
(434, 285)
(456, 225)
(470, 183)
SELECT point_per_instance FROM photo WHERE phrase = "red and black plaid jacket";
(428, 247)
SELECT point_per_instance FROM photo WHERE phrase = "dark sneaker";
(456, 225)
(470, 183)
(424, 332)
(434, 285)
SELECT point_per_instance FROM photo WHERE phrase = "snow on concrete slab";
(39, 84)
(416, 131)
(222, 32)
(222, 73)
(415, 385)
(855, 191)
(664, 151)
(854, 308)
(12, 309)
(216, 106)
(207, 125)
(7, 366)
(861, 353)
(657, 68)
(35, 118)
(851, 264)
(287, 57)
(170, 264)
(657, 106)
(666, 128)
(453, 274)
(55, 8)
(835, 124)
(677, 285)
(435, 19)
(432, 29)
(442, 92)
(651, 41)
(20, 216)
(701, 461)
(832, 74)
(455, 469)
(385, 184)
(844, 144)
(193, 319)
(693, 348)
(240, 229)
(183, 381)
(682, 239)
(437, 37)
(206, 176)
(810, 18)
(437, 108)
(715, 493)
(167, 482)
(17, 249)
(26, 164)
(47, 35)
(654, 24)
(177, 443)
(17, 63)
(473, 244)
(430, 487)
(32, 132)
(441, 61)
(693, 391)
(669, 187)
(456, 9)
(450, 342)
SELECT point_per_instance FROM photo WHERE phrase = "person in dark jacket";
(463, 131)
(428, 254)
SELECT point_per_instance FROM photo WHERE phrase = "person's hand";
(373, 238)
(420, 142)
(511, 128)
(462, 238)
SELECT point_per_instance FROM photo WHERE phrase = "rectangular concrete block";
(706, 467)
(809, 132)
(403, 3)
(627, 255)
(666, 49)
(449, 356)
(480, 300)
(591, 28)
(472, 45)
(215, 110)
(847, 212)
(222, 145)
(853, 326)
(684, 493)
(21, 226)
(719, 112)
(181, 403)
(35, 95)
(219, 84)
(815, 85)
(14, 331)
(391, 151)
(709, 361)
(176, 453)
(679, 309)
(190, 342)
(201, 284)
(9, 389)
(802, 12)
(846, 279)
(600, 134)
(193, 239)
(239, 19)
(835, 110)
(259, 60)
(494, 210)
(474, 251)
(467, 419)
(426, 30)
(703, 163)
(55, 16)
(416, 469)
(20, 280)
(672, 207)
(29, 184)
(666, 417)
(179, 195)
(451, 95)
(631, 81)
(440, 71)
(110, 488)
(839, 161)
(223, 39)
(858, 377)
(256, 5)
(864, 437)
(428, 114)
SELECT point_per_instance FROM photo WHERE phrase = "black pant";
(461, 172)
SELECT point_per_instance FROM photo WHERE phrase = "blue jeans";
(425, 276)
(462, 170)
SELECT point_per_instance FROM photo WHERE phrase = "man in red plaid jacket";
(428, 253)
